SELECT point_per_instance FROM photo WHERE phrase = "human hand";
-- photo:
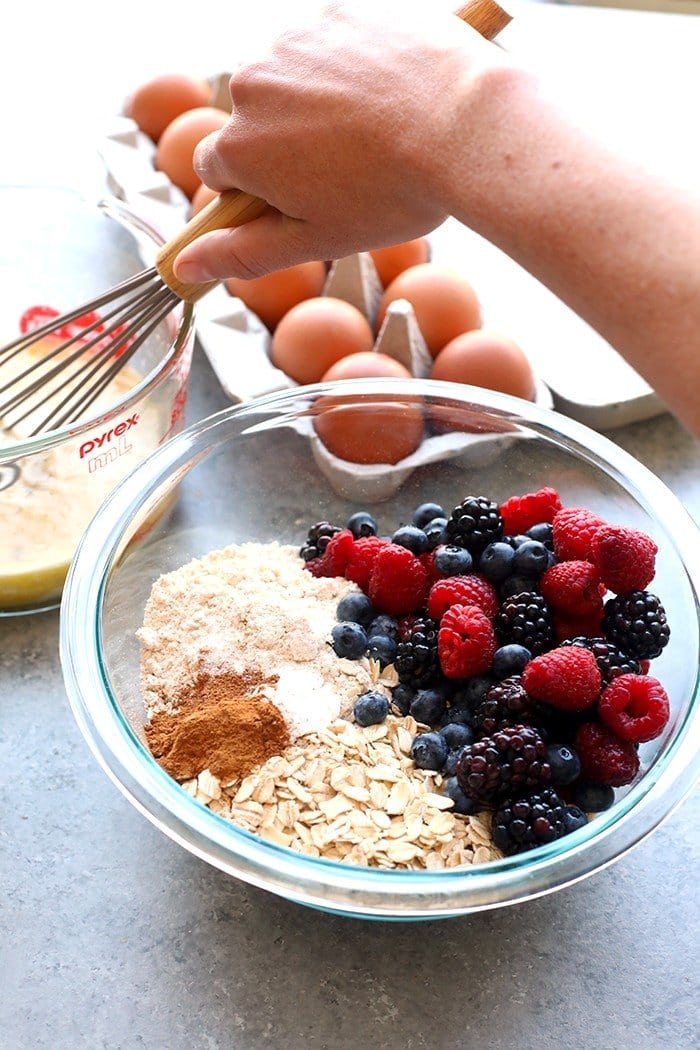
(345, 128)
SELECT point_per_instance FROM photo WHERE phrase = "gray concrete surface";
(113, 937)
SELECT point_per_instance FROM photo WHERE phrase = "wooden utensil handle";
(235, 208)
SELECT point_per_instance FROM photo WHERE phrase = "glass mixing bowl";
(255, 473)
(59, 250)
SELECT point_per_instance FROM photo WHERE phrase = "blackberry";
(317, 539)
(474, 524)
(610, 658)
(510, 762)
(520, 824)
(636, 622)
(525, 619)
(506, 704)
(416, 659)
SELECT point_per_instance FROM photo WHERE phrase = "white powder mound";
(253, 610)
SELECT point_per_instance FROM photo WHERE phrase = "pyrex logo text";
(104, 439)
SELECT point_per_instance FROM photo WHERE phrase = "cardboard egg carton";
(237, 343)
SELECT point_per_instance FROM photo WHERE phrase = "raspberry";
(520, 824)
(361, 559)
(566, 627)
(566, 677)
(635, 707)
(466, 642)
(572, 531)
(511, 761)
(335, 557)
(398, 583)
(573, 588)
(427, 560)
(605, 759)
(520, 513)
(462, 590)
(626, 558)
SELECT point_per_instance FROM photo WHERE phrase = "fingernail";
(192, 272)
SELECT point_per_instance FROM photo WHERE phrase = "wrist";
(492, 140)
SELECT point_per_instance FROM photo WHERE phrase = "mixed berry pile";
(521, 634)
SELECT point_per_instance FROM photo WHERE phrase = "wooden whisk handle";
(235, 208)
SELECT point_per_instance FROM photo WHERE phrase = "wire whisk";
(65, 381)
(94, 341)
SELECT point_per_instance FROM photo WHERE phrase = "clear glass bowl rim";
(365, 892)
(130, 220)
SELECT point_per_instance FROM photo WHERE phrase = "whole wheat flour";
(251, 609)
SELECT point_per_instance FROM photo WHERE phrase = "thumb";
(274, 241)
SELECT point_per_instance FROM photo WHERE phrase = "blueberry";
(381, 648)
(462, 803)
(509, 660)
(564, 763)
(530, 559)
(542, 532)
(349, 640)
(426, 512)
(429, 751)
(574, 818)
(517, 540)
(384, 624)
(357, 608)
(457, 735)
(517, 585)
(471, 692)
(457, 716)
(435, 531)
(428, 706)
(370, 709)
(450, 767)
(362, 524)
(412, 538)
(593, 798)
(496, 561)
(453, 561)
(402, 695)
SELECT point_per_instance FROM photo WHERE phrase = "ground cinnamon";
(223, 725)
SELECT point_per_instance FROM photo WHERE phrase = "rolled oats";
(352, 794)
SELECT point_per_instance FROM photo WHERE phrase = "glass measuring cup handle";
(9, 474)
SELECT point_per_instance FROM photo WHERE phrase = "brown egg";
(157, 102)
(444, 302)
(315, 334)
(177, 144)
(486, 359)
(272, 296)
(202, 196)
(367, 365)
(394, 259)
(382, 429)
